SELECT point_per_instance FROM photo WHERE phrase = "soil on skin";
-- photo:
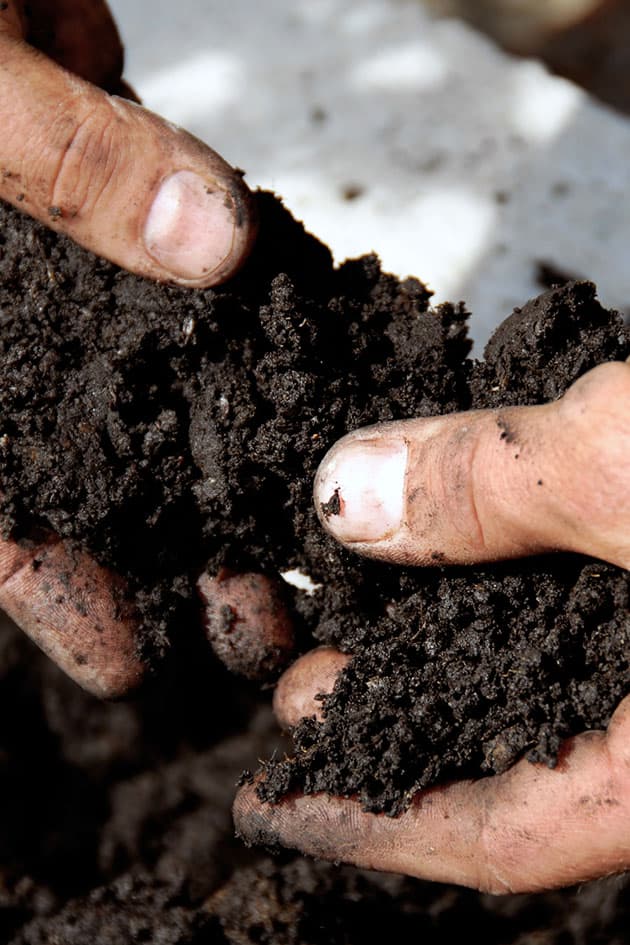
(167, 431)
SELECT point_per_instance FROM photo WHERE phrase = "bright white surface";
(473, 165)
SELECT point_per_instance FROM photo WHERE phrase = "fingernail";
(359, 489)
(190, 227)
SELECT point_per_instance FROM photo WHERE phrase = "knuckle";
(494, 846)
(85, 155)
(491, 876)
(613, 379)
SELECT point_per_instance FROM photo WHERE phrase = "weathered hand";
(454, 487)
(128, 186)
(113, 176)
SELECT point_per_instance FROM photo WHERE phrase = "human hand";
(132, 188)
(451, 485)
(119, 180)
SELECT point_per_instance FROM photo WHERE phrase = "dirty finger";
(76, 611)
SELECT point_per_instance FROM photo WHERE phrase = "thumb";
(114, 177)
(486, 485)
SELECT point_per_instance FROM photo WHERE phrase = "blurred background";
(478, 144)
(584, 40)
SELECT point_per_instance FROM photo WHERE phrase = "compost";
(171, 432)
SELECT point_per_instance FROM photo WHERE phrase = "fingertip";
(254, 821)
(359, 486)
(247, 623)
(121, 181)
(487, 485)
(293, 823)
(314, 674)
(78, 613)
(200, 226)
(317, 825)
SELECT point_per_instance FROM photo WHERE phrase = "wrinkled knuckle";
(84, 163)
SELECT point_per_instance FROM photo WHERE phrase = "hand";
(116, 178)
(128, 186)
(405, 490)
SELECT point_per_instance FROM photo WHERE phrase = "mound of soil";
(168, 431)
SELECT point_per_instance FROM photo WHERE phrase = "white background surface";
(473, 166)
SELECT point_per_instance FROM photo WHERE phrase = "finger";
(117, 179)
(529, 829)
(297, 694)
(75, 611)
(486, 485)
(81, 36)
(247, 622)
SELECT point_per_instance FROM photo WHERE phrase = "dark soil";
(167, 431)
(116, 828)
(460, 672)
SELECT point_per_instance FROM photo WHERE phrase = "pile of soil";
(459, 672)
(167, 432)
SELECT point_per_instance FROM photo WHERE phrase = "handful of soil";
(167, 432)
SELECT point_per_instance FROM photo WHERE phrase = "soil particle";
(507, 433)
(333, 506)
